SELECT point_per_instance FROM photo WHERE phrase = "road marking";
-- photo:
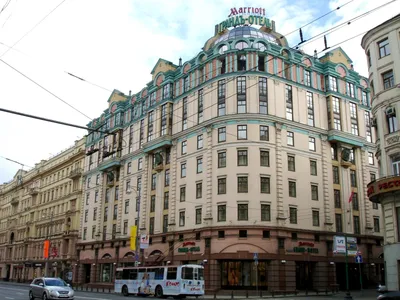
(9, 298)
(4, 288)
(20, 293)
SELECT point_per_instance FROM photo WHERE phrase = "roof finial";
(180, 61)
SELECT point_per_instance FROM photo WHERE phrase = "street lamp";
(46, 270)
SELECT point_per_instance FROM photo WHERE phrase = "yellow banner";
(133, 237)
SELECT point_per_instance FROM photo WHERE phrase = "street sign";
(359, 259)
(255, 256)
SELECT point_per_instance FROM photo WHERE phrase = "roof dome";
(247, 32)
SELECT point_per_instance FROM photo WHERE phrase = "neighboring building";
(38, 204)
(382, 47)
(249, 147)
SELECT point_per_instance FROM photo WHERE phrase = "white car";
(47, 288)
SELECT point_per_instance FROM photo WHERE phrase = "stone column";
(144, 197)
(363, 191)
(279, 173)
(209, 181)
(172, 190)
(325, 182)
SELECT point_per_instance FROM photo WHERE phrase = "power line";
(14, 161)
(50, 120)
(37, 24)
(42, 87)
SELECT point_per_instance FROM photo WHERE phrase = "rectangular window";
(338, 222)
(314, 192)
(182, 195)
(336, 196)
(265, 212)
(388, 79)
(289, 102)
(242, 132)
(354, 202)
(153, 203)
(86, 215)
(263, 94)
(241, 94)
(392, 122)
(95, 214)
(313, 167)
(186, 84)
(200, 107)
(333, 83)
(292, 189)
(153, 181)
(264, 158)
(353, 110)
(336, 105)
(183, 147)
(243, 212)
(140, 163)
(151, 225)
(166, 200)
(291, 163)
(264, 133)
(242, 184)
(198, 215)
(242, 157)
(293, 215)
(370, 158)
(167, 91)
(335, 172)
(315, 217)
(265, 185)
(307, 78)
(350, 89)
(221, 213)
(126, 209)
(356, 224)
(221, 98)
(166, 179)
(221, 186)
(182, 218)
(165, 223)
(290, 138)
(200, 141)
(150, 126)
(164, 120)
(183, 170)
(115, 214)
(384, 49)
(377, 227)
(337, 124)
(368, 130)
(199, 168)
(184, 114)
(311, 144)
(221, 134)
(128, 169)
(364, 98)
(369, 58)
(199, 190)
(310, 109)
(222, 159)
(353, 178)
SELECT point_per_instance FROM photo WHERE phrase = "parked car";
(389, 296)
(47, 288)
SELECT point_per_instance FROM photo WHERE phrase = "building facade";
(382, 47)
(249, 151)
(38, 205)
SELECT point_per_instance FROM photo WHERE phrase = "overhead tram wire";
(268, 75)
(42, 87)
(52, 121)
(29, 31)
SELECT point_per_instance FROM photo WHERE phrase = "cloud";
(115, 44)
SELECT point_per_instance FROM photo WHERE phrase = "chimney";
(180, 62)
(130, 92)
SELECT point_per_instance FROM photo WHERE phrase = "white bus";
(161, 281)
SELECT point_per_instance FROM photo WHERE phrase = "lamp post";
(46, 270)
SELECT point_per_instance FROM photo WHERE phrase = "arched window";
(222, 49)
(241, 45)
(260, 46)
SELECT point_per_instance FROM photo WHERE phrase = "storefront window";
(243, 274)
(106, 273)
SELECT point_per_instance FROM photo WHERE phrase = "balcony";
(345, 137)
(15, 201)
(160, 142)
(388, 185)
(33, 191)
(75, 173)
(110, 163)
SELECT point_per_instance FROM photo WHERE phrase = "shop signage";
(383, 185)
(189, 247)
(144, 241)
(305, 250)
(247, 10)
(339, 245)
(309, 244)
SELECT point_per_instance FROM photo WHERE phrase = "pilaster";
(209, 181)
(172, 191)
(144, 198)
(325, 182)
(279, 173)
(366, 203)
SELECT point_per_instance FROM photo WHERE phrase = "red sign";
(172, 283)
(247, 10)
(308, 244)
(54, 251)
(185, 244)
(46, 247)
(195, 289)
(383, 185)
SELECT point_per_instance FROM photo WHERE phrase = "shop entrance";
(243, 275)
(305, 275)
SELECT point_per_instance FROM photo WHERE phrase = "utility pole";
(137, 228)
(46, 271)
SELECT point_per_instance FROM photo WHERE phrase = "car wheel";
(159, 292)
(125, 291)
(31, 296)
(44, 296)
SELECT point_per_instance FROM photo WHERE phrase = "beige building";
(248, 150)
(40, 204)
(382, 47)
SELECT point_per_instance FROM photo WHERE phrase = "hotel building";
(248, 151)
(382, 47)
(41, 204)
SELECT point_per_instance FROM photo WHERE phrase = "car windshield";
(55, 282)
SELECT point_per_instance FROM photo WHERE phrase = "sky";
(115, 44)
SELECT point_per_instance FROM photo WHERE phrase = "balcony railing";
(75, 173)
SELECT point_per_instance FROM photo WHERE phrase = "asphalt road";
(9, 291)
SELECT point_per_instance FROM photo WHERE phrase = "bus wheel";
(125, 291)
(159, 292)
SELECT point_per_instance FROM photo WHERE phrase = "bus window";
(201, 274)
(125, 274)
(118, 275)
(171, 274)
(187, 273)
(159, 274)
(133, 274)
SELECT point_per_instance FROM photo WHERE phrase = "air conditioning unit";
(390, 111)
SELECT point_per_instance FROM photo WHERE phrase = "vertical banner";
(46, 247)
(133, 237)
(144, 241)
